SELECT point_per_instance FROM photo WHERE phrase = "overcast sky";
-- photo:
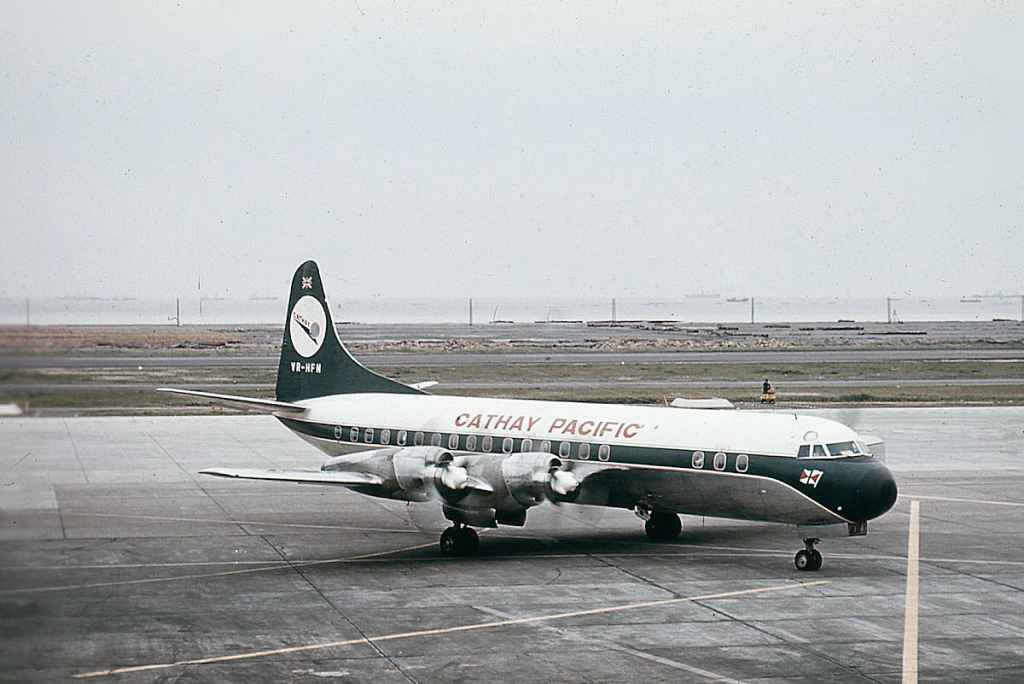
(624, 149)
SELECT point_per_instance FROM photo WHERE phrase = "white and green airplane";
(488, 461)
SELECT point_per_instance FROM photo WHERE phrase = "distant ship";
(970, 300)
(738, 299)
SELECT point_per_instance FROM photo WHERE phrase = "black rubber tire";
(803, 560)
(816, 560)
(663, 527)
(470, 541)
(450, 545)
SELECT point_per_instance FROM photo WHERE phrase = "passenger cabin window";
(697, 460)
(527, 445)
(719, 461)
(435, 439)
(545, 446)
(742, 463)
(804, 452)
(506, 445)
(563, 449)
(471, 443)
(583, 451)
(604, 452)
(819, 451)
(402, 436)
(368, 435)
(488, 443)
(385, 436)
(453, 442)
(418, 439)
(353, 434)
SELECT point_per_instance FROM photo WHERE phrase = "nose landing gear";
(459, 540)
(809, 558)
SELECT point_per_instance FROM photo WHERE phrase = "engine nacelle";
(418, 468)
(527, 476)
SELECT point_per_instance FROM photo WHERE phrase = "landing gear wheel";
(449, 542)
(803, 560)
(459, 541)
(471, 541)
(663, 527)
(809, 558)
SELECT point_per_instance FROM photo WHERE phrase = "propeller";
(563, 482)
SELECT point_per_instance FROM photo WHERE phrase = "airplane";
(488, 461)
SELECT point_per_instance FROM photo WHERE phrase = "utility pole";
(470, 312)
(751, 309)
(1022, 308)
(888, 309)
(177, 312)
(613, 310)
(28, 313)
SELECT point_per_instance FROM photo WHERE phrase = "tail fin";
(314, 362)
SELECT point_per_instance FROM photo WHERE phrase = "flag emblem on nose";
(810, 477)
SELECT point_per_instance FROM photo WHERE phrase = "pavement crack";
(983, 578)
(74, 450)
(803, 647)
(18, 462)
(198, 484)
(298, 569)
(630, 573)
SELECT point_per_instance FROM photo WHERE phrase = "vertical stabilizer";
(314, 362)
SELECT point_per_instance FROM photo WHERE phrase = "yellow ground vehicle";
(769, 396)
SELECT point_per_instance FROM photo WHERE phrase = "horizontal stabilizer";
(265, 405)
(332, 477)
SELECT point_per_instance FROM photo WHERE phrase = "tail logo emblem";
(307, 326)
(307, 282)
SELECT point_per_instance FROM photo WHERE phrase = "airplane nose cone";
(876, 493)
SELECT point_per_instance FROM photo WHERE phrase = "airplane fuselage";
(729, 464)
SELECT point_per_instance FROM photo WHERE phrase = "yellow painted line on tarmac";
(587, 641)
(442, 630)
(986, 502)
(910, 601)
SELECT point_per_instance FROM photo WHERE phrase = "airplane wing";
(332, 477)
(253, 404)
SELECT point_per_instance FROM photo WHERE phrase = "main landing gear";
(459, 540)
(808, 559)
(663, 526)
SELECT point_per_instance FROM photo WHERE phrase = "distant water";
(66, 311)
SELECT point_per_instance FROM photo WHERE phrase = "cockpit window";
(844, 449)
(819, 451)
(804, 452)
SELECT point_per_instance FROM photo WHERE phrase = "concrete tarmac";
(120, 563)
